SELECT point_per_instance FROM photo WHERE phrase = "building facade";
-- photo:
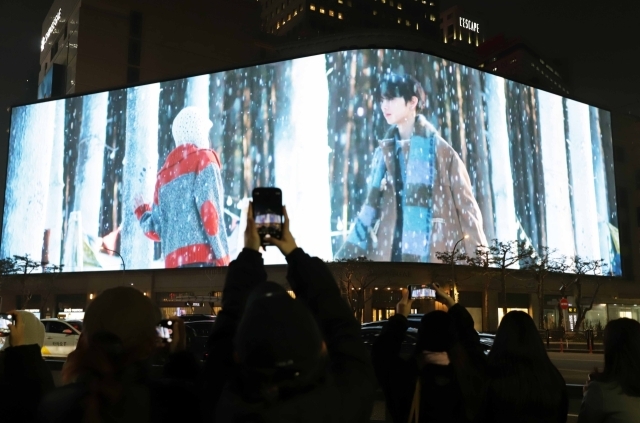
(93, 45)
(307, 18)
(515, 60)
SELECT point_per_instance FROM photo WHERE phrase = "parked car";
(371, 328)
(197, 317)
(198, 335)
(370, 332)
(61, 337)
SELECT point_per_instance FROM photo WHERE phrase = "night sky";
(595, 44)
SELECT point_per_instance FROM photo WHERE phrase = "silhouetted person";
(523, 384)
(273, 358)
(443, 381)
(109, 376)
(613, 396)
(24, 375)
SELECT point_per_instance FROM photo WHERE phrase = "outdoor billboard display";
(389, 154)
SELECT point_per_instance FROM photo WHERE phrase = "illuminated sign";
(338, 191)
(470, 25)
(56, 19)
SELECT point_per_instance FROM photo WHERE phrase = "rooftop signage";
(56, 19)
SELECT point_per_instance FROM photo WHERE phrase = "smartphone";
(267, 212)
(5, 320)
(420, 292)
(165, 330)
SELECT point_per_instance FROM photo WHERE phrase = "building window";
(375, 12)
(408, 23)
(481, 65)
(289, 17)
(399, 20)
(322, 10)
(301, 8)
(399, 6)
(331, 13)
(417, 26)
(433, 18)
(312, 6)
(432, 4)
(339, 15)
(340, 1)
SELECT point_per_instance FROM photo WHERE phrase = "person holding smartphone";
(443, 380)
(420, 200)
(275, 358)
(24, 375)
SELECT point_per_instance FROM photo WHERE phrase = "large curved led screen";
(389, 154)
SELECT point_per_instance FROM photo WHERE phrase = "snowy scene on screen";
(388, 154)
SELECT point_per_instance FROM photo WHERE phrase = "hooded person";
(187, 213)
(109, 374)
(24, 376)
(442, 382)
(278, 359)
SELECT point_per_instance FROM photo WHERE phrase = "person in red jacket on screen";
(187, 213)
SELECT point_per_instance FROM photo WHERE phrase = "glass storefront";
(630, 311)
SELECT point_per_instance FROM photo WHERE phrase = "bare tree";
(482, 265)
(583, 267)
(25, 266)
(504, 256)
(355, 281)
(539, 267)
(452, 259)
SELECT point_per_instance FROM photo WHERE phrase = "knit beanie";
(436, 333)
(124, 312)
(191, 126)
(33, 328)
(278, 333)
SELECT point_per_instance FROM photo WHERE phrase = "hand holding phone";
(165, 331)
(6, 319)
(421, 292)
(267, 213)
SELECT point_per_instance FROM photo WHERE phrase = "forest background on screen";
(540, 165)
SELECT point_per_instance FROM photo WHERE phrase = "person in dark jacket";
(613, 396)
(273, 358)
(24, 375)
(109, 376)
(443, 381)
(523, 384)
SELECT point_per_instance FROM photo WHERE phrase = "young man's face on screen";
(397, 110)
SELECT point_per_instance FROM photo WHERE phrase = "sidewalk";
(580, 347)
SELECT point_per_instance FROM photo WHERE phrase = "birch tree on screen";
(139, 174)
(27, 191)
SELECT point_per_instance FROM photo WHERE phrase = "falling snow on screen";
(162, 173)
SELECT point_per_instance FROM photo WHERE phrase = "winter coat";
(24, 380)
(187, 213)
(345, 394)
(604, 402)
(144, 397)
(443, 203)
(443, 390)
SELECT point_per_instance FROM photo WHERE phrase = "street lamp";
(453, 268)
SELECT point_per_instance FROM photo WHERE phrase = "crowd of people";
(273, 358)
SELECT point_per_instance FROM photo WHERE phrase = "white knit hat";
(33, 328)
(191, 126)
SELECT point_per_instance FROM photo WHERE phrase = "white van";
(61, 337)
